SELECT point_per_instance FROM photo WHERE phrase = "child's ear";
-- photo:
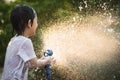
(29, 23)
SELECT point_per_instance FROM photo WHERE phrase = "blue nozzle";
(48, 52)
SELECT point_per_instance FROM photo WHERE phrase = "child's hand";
(50, 59)
(53, 61)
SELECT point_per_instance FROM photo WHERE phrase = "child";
(20, 53)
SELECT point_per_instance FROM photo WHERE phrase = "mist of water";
(79, 42)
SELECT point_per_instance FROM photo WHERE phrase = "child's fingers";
(53, 60)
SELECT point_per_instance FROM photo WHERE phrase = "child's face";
(34, 26)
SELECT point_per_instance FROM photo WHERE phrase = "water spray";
(85, 46)
(48, 52)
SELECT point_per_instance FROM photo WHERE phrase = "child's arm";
(41, 62)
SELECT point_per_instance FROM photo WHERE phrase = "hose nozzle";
(48, 52)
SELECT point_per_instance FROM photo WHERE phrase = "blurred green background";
(51, 11)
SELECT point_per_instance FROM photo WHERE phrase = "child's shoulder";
(20, 40)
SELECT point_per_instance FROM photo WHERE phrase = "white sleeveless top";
(19, 51)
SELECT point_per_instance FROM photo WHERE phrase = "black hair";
(20, 16)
